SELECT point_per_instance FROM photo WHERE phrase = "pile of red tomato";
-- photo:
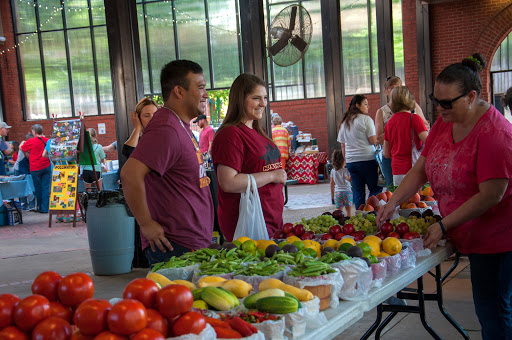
(62, 308)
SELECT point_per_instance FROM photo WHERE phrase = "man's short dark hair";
(175, 73)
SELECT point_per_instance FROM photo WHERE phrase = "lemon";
(242, 239)
(372, 238)
(312, 244)
(330, 243)
(292, 239)
(348, 240)
(374, 245)
(382, 254)
(391, 245)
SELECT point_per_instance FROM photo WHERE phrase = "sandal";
(68, 219)
(59, 219)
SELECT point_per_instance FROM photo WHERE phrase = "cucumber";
(293, 297)
(277, 305)
(250, 301)
(196, 293)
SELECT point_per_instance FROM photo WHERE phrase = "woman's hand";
(385, 213)
(433, 235)
(279, 176)
(135, 120)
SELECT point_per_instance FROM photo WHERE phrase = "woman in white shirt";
(358, 138)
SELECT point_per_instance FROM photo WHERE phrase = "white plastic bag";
(181, 273)
(251, 222)
(379, 272)
(357, 279)
(272, 330)
(334, 279)
(207, 334)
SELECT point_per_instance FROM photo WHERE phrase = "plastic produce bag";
(272, 330)
(314, 318)
(394, 263)
(250, 215)
(334, 279)
(415, 243)
(207, 334)
(357, 279)
(183, 273)
(295, 323)
(408, 257)
(379, 272)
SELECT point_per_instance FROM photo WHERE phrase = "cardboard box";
(14, 216)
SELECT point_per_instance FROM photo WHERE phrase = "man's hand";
(279, 176)
(433, 235)
(155, 234)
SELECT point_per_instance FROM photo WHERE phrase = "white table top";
(349, 312)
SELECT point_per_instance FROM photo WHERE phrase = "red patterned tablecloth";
(304, 167)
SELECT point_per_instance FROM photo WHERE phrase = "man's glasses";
(445, 104)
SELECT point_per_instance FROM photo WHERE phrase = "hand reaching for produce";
(433, 235)
(385, 213)
(155, 235)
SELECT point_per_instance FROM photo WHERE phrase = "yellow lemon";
(383, 254)
(373, 238)
(330, 243)
(292, 239)
(374, 245)
(346, 240)
(243, 239)
(391, 245)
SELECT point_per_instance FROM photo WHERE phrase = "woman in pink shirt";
(467, 160)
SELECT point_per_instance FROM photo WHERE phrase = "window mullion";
(148, 49)
(369, 13)
(209, 44)
(68, 58)
(41, 56)
(94, 60)
(18, 57)
(270, 62)
(175, 30)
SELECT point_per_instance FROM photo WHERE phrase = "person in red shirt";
(241, 147)
(467, 161)
(40, 168)
(206, 135)
(397, 133)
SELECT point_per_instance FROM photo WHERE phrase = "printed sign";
(64, 187)
(65, 137)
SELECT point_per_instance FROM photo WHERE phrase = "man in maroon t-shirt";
(206, 135)
(164, 180)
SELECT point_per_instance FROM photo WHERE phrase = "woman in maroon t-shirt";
(241, 147)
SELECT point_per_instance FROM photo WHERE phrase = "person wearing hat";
(4, 130)
(206, 135)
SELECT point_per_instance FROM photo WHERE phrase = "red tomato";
(46, 284)
(143, 290)
(52, 328)
(91, 316)
(80, 336)
(59, 310)
(75, 289)
(148, 334)
(190, 322)
(12, 333)
(29, 311)
(126, 317)
(156, 321)
(7, 303)
(109, 336)
(174, 300)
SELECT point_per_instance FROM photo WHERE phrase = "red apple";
(312, 233)
(362, 233)
(402, 228)
(381, 235)
(306, 236)
(279, 234)
(288, 228)
(348, 229)
(339, 236)
(326, 236)
(393, 234)
(386, 228)
(337, 214)
(290, 234)
(416, 235)
(335, 230)
(357, 237)
(299, 230)
(408, 236)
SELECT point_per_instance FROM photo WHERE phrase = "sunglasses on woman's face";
(445, 104)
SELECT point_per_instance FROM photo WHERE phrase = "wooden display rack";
(84, 145)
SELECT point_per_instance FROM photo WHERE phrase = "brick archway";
(496, 30)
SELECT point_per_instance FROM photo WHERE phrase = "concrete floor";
(31, 248)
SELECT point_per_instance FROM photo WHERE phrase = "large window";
(501, 74)
(206, 32)
(398, 39)
(63, 58)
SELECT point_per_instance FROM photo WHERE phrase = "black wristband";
(442, 227)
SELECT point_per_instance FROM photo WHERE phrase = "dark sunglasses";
(445, 104)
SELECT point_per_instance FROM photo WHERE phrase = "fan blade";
(299, 43)
(292, 18)
(279, 45)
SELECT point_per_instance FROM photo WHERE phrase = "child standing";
(341, 189)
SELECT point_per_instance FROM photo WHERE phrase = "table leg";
(375, 324)
(421, 300)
